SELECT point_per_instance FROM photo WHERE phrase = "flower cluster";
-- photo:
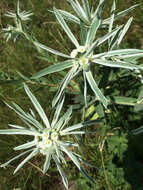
(48, 138)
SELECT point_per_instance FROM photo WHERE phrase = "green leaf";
(64, 178)
(69, 16)
(37, 106)
(63, 85)
(102, 40)
(81, 125)
(76, 162)
(119, 52)
(57, 112)
(122, 100)
(53, 68)
(16, 126)
(80, 12)
(138, 130)
(65, 27)
(47, 163)
(83, 33)
(26, 145)
(28, 117)
(125, 29)
(93, 28)
(64, 119)
(95, 88)
(120, 14)
(25, 117)
(79, 133)
(51, 50)
(112, 16)
(86, 8)
(18, 132)
(118, 64)
(16, 157)
(32, 154)
(99, 9)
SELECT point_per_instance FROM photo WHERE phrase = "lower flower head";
(83, 61)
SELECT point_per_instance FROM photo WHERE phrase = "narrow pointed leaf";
(31, 155)
(25, 146)
(76, 162)
(119, 52)
(112, 16)
(65, 27)
(37, 106)
(80, 14)
(118, 64)
(94, 27)
(14, 158)
(18, 132)
(51, 50)
(80, 125)
(64, 178)
(57, 112)
(95, 88)
(125, 29)
(46, 163)
(27, 117)
(102, 40)
(120, 14)
(63, 85)
(64, 119)
(69, 16)
(16, 126)
(53, 69)
(86, 8)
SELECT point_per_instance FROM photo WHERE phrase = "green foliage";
(101, 77)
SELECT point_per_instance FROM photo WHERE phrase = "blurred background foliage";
(114, 149)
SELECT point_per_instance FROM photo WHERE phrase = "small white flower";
(83, 61)
(48, 143)
(45, 135)
(74, 53)
(54, 136)
(81, 49)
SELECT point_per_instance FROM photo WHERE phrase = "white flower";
(54, 136)
(81, 49)
(74, 53)
(83, 61)
(45, 134)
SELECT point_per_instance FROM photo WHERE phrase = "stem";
(103, 166)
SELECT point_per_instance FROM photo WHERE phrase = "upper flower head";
(74, 53)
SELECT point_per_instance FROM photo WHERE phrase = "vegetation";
(114, 153)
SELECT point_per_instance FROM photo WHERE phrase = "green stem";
(105, 176)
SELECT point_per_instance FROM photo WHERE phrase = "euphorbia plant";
(83, 61)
